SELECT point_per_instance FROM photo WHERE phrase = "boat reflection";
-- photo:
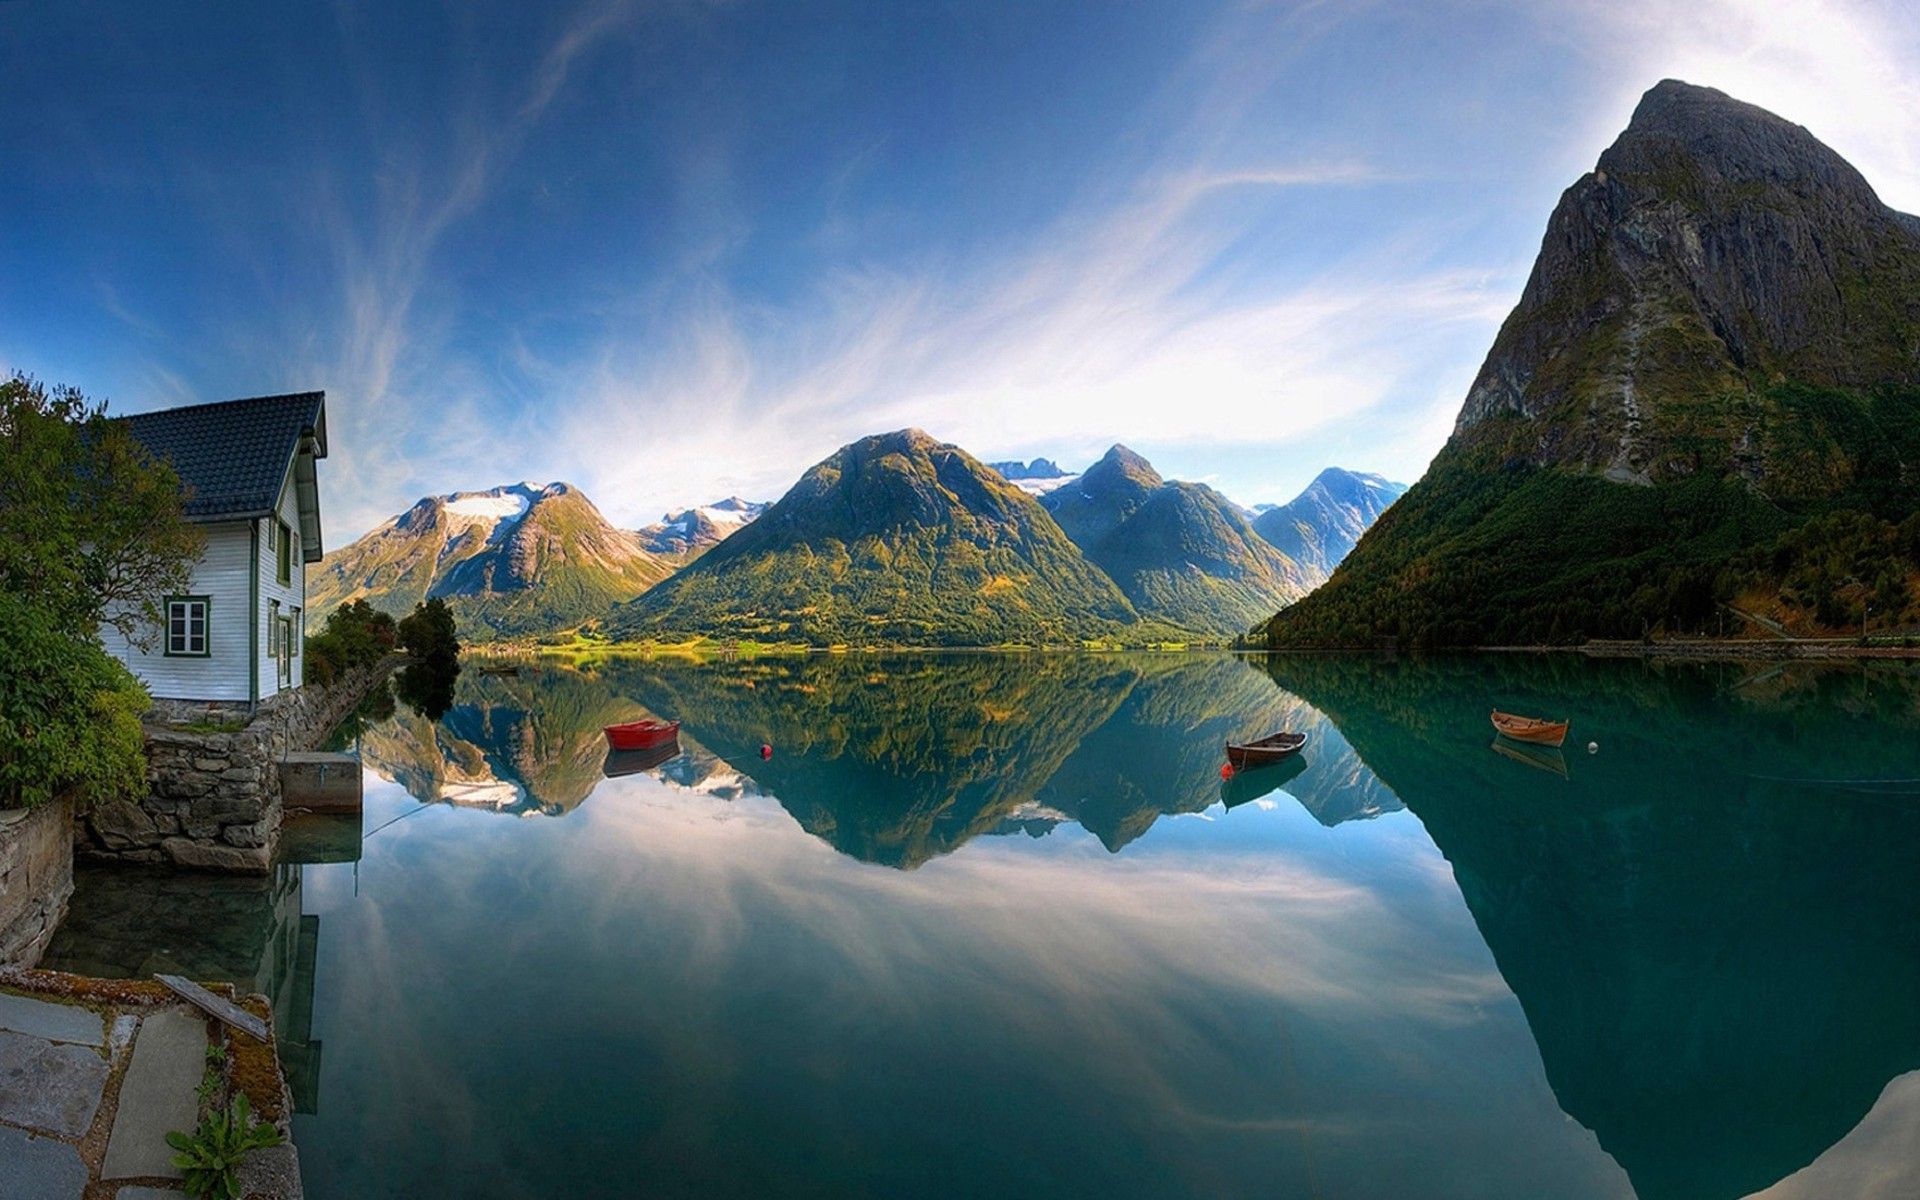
(1244, 787)
(1542, 758)
(620, 763)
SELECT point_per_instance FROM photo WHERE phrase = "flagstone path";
(89, 1093)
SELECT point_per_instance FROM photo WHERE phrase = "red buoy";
(1226, 770)
(766, 751)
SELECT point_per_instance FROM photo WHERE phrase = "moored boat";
(1534, 730)
(642, 735)
(1270, 749)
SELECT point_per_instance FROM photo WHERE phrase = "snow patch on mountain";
(1040, 487)
(488, 506)
(698, 529)
(1035, 478)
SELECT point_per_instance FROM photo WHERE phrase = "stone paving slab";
(157, 1095)
(273, 1171)
(54, 1022)
(37, 1168)
(49, 1086)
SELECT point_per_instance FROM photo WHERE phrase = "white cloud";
(1138, 315)
(1105, 328)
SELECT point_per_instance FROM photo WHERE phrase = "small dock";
(320, 781)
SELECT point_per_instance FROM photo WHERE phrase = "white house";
(248, 469)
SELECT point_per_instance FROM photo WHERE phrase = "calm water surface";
(994, 926)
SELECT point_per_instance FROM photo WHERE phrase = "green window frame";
(283, 547)
(187, 626)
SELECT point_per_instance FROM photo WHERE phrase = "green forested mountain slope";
(518, 559)
(896, 538)
(1709, 393)
(1181, 552)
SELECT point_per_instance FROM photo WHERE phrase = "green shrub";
(69, 714)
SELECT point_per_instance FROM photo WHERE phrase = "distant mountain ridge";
(1320, 526)
(897, 538)
(521, 558)
(1035, 478)
(682, 537)
(1181, 552)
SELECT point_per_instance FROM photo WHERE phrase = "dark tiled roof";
(232, 456)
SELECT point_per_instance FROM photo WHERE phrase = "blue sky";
(671, 251)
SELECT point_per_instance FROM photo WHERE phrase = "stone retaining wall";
(214, 798)
(36, 877)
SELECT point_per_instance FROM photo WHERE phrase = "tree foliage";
(92, 530)
(69, 714)
(356, 635)
(428, 631)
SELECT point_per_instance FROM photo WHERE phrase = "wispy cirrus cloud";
(671, 251)
(404, 403)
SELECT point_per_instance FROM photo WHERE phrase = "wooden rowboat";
(1529, 729)
(1270, 749)
(642, 735)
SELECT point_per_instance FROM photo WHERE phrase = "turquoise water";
(994, 926)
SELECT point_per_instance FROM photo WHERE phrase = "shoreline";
(1818, 650)
(1808, 650)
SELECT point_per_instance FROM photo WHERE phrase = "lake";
(993, 925)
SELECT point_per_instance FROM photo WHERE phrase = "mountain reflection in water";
(1720, 964)
(1706, 934)
(892, 761)
(1714, 925)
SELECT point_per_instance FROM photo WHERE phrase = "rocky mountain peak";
(1728, 138)
(1123, 460)
(1715, 250)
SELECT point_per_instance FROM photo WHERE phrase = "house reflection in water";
(245, 930)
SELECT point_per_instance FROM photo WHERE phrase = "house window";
(299, 630)
(273, 629)
(283, 544)
(187, 627)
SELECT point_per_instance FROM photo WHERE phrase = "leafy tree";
(427, 634)
(92, 529)
(428, 631)
(356, 635)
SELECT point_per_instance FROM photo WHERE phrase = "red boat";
(642, 735)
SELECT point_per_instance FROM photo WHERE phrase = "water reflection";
(1393, 966)
(1712, 924)
(134, 923)
(892, 761)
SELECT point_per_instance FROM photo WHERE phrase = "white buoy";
(1593, 747)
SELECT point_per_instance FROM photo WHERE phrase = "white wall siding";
(292, 596)
(222, 576)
